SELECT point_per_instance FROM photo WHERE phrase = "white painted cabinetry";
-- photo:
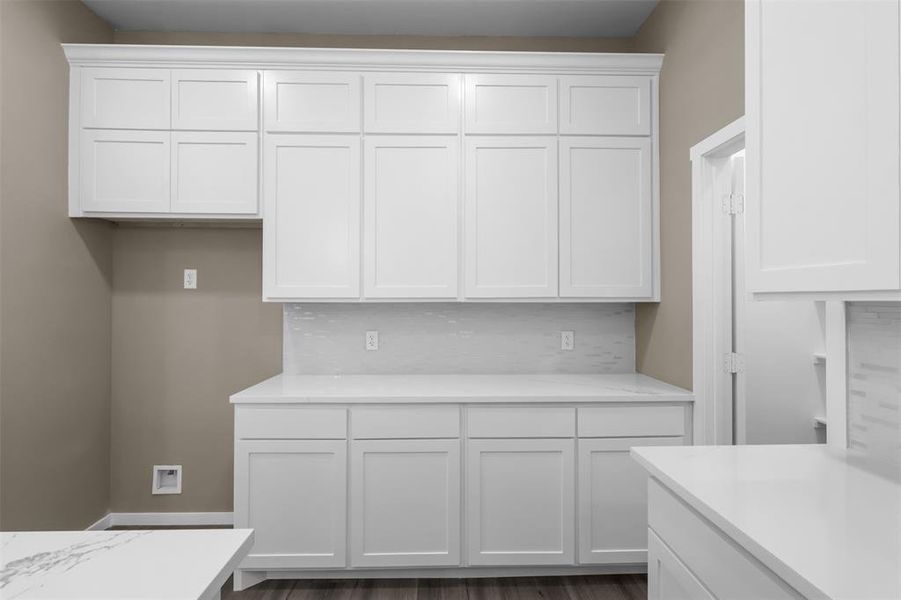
(123, 98)
(411, 103)
(511, 217)
(668, 577)
(214, 172)
(215, 99)
(515, 104)
(311, 101)
(311, 223)
(823, 198)
(605, 105)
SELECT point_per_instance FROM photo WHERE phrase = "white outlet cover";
(166, 479)
(567, 340)
(190, 279)
(371, 341)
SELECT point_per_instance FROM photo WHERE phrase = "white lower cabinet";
(406, 503)
(613, 500)
(668, 577)
(293, 494)
(520, 501)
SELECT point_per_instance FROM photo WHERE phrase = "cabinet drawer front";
(214, 172)
(723, 567)
(222, 99)
(398, 422)
(632, 421)
(668, 577)
(411, 103)
(511, 104)
(521, 422)
(290, 422)
(605, 105)
(116, 98)
(311, 101)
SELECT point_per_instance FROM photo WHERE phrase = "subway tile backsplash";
(458, 338)
(874, 385)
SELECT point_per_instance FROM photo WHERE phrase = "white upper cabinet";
(822, 210)
(411, 103)
(124, 98)
(311, 101)
(515, 104)
(214, 172)
(311, 217)
(605, 105)
(219, 99)
(606, 218)
(411, 208)
(124, 171)
(511, 217)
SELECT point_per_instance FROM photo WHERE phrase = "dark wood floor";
(595, 587)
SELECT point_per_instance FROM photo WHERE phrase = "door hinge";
(733, 362)
(733, 204)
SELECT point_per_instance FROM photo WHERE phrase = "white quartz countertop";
(826, 527)
(629, 387)
(103, 565)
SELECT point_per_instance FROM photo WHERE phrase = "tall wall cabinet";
(823, 213)
(383, 175)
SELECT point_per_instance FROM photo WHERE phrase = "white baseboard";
(164, 519)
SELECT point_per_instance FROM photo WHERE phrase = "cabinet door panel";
(411, 103)
(406, 508)
(311, 101)
(124, 171)
(511, 217)
(822, 211)
(668, 577)
(116, 98)
(222, 99)
(606, 216)
(311, 225)
(613, 500)
(520, 499)
(214, 172)
(605, 105)
(411, 217)
(511, 104)
(293, 494)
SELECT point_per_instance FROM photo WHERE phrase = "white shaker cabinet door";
(406, 503)
(613, 500)
(214, 172)
(293, 494)
(311, 217)
(511, 217)
(220, 99)
(668, 577)
(311, 101)
(606, 218)
(120, 98)
(520, 499)
(605, 105)
(517, 104)
(411, 102)
(411, 209)
(822, 210)
(124, 171)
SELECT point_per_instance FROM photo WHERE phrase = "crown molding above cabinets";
(385, 175)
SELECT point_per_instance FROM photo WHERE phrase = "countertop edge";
(794, 579)
(381, 399)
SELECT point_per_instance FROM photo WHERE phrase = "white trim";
(358, 59)
(101, 524)
(164, 519)
(709, 308)
(836, 375)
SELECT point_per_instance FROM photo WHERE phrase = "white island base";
(448, 476)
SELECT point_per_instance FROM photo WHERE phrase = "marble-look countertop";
(627, 387)
(827, 527)
(103, 565)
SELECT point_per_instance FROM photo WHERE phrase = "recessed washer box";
(166, 479)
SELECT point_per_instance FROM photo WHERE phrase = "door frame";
(711, 299)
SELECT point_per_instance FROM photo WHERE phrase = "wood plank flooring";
(594, 587)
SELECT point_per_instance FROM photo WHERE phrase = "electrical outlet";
(372, 340)
(166, 479)
(190, 279)
(567, 340)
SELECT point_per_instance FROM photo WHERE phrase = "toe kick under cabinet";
(442, 490)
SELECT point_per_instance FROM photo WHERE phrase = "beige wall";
(55, 290)
(701, 90)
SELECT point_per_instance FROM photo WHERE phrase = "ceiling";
(568, 18)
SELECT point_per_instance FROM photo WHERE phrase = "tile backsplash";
(458, 338)
(874, 385)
